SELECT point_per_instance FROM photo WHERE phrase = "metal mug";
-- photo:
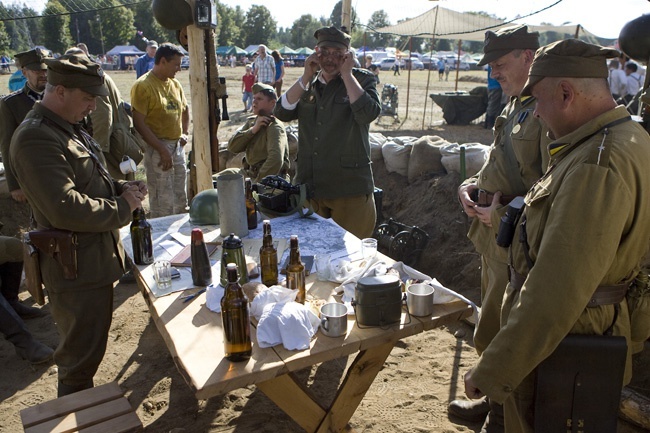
(334, 319)
(419, 299)
(127, 165)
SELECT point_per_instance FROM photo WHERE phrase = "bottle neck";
(294, 256)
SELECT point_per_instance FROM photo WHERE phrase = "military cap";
(152, 44)
(77, 71)
(569, 58)
(501, 42)
(33, 59)
(332, 37)
(265, 88)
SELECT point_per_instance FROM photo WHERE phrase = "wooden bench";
(101, 409)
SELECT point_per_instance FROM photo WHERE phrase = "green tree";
(115, 25)
(146, 27)
(302, 31)
(229, 31)
(17, 30)
(259, 27)
(4, 39)
(33, 25)
(377, 20)
(337, 15)
(55, 26)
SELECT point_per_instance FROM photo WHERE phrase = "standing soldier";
(14, 108)
(516, 161)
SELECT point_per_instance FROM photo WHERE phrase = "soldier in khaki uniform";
(60, 169)
(263, 138)
(586, 226)
(517, 159)
(14, 108)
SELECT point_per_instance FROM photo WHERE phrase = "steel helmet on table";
(204, 208)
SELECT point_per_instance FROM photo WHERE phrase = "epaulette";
(13, 94)
(33, 121)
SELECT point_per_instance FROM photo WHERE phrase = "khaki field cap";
(261, 87)
(33, 59)
(569, 58)
(332, 37)
(76, 71)
(501, 42)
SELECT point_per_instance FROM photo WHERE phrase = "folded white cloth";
(289, 323)
(270, 296)
(213, 297)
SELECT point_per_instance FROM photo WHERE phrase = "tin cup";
(334, 319)
(419, 299)
(162, 273)
(127, 165)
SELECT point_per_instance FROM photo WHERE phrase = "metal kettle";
(233, 252)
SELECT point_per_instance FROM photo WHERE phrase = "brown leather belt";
(604, 295)
(485, 198)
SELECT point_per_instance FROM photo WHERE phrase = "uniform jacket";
(268, 149)
(66, 191)
(13, 109)
(333, 145)
(587, 225)
(518, 158)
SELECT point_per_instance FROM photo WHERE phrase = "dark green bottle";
(235, 317)
(201, 268)
(141, 242)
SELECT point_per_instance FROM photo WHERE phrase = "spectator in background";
(279, 71)
(441, 69)
(447, 71)
(617, 79)
(494, 106)
(6, 63)
(264, 66)
(247, 81)
(145, 62)
(368, 61)
(633, 84)
(396, 66)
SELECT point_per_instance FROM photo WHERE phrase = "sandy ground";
(421, 375)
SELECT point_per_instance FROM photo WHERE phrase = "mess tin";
(378, 300)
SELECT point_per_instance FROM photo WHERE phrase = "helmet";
(634, 39)
(172, 14)
(204, 208)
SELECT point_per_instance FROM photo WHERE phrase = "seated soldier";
(263, 138)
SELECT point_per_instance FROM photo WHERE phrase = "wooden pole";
(346, 15)
(199, 106)
(426, 92)
(460, 42)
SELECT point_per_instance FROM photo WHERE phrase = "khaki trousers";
(355, 214)
(494, 278)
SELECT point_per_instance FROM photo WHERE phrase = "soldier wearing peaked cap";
(59, 167)
(14, 107)
(517, 159)
(263, 138)
(582, 235)
(335, 103)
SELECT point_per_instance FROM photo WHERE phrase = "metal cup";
(334, 319)
(162, 273)
(127, 165)
(419, 299)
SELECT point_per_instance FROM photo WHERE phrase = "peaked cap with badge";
(77, 71)
(332, 37)
(33, 60)
(501, 42)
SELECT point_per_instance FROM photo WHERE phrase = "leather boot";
(494, 422)
(34, 352)
(470, 410)
(26, 312)
(64, 389)
(14, 329)
(10, 276)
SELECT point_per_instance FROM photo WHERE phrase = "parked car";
(412, 63)
(464, 66)
(386, 64)
(185, 62)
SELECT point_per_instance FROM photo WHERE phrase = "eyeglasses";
(336, 54)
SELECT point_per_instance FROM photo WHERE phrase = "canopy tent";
(304, 51)
(230, 50)
(128, 55)
(286, 51)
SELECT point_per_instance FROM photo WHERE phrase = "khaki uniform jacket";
(13, 109)
(587, 225)
(517, 159)
(66, 191)
(333, 144)
(267, 152)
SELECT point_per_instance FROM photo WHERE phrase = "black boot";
(64, 389)
(34, 351)
(12, 326)
(494, 422)
(470, 410)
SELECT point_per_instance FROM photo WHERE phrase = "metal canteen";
(233, 252)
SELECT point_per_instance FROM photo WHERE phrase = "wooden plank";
(129, 422)
(84, 418)
(635, 408)
(357, 381)
(70, 403)
(296, 400)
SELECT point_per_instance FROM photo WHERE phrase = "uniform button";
(322, 107)
(315, 138)
(315, 153)
(319, 123)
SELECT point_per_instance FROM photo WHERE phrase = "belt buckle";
(483, 198)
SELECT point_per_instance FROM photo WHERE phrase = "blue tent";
(128, 55)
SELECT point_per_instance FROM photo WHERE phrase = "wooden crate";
(102, 409)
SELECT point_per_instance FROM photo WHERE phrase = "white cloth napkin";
(213, 296)
(270, 296)
(289, 323)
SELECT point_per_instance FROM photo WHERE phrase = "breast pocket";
(538, 200)
(525, 138)
(83, 167)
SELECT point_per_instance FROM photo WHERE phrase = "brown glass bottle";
(251, 211)
(268, 257)
(235, 317)
(141, 242)
(296, 270)
(201, 268)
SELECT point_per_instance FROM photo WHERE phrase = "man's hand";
(165, 158)
(312, 65)
(140, 185)
(484, 213)
(133, 196)
(470, 388)
(348, 63)
(18, 195)
(261, 122)
(469, 205)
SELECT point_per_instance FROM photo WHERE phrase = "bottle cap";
(197, 235)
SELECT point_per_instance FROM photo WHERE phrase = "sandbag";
(426, 157)
(396, 157)
(475, 156)
(377, 140)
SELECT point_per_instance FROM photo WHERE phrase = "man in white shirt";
(617, 79)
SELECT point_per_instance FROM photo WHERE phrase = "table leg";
(299, 403)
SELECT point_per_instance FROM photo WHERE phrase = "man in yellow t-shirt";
(161, 116)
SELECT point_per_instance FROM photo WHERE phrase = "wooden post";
(346, 15)
(199, 107)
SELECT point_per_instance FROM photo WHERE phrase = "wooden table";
(194, 337)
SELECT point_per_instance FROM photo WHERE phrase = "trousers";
(357, 214)
(167, 189)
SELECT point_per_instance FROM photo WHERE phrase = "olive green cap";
(33, 59)
(569, 58)
(332, 37)
(268, 90)
(77, 71)
(501, 42)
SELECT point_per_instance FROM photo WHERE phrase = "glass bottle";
(268, 257)
(201, 269)
(296, 270)
(235, 317)
(251, 211)
(141, 242)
